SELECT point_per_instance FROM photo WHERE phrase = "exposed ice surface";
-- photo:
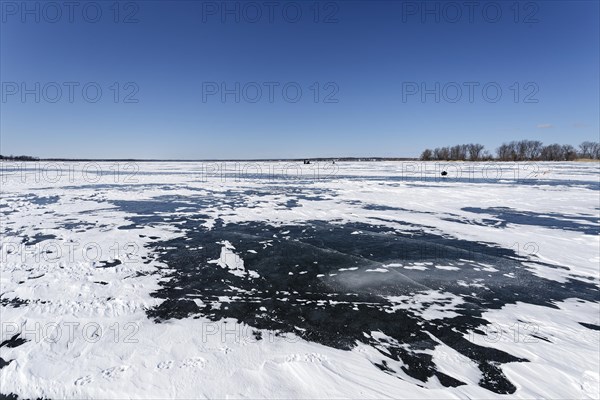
(279, 280)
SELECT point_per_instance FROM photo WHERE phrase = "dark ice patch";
(314, 283)
(590, 326)
(72, 224)
(507, 215)
(35, 239)
(42, 200)
(14, 302)
(3, 364)
(109, 264)
(14, 341)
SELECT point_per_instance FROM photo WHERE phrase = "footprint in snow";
(308, 357)
(165, 365)
(114, 372)
(83, 380)
(196, 362)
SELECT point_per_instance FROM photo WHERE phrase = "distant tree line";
(18, 158)
(522, 150)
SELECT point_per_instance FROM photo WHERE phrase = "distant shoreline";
(316, 159)
(341, 159)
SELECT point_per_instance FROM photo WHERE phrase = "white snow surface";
(94, 340)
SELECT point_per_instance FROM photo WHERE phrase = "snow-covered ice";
(279, 280)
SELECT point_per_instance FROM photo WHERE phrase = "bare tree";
(464, 152)
(568, 152)
(504, 152)
(475, 151)
(522, 150)
(441, 153)
(596, 150)
(455, 152)
(427, 155)
(585, 150)
(589, 150)
(534, 149)
(552, 152)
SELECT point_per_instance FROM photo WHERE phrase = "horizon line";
(33, 159)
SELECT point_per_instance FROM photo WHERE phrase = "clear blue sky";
(373, 54)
